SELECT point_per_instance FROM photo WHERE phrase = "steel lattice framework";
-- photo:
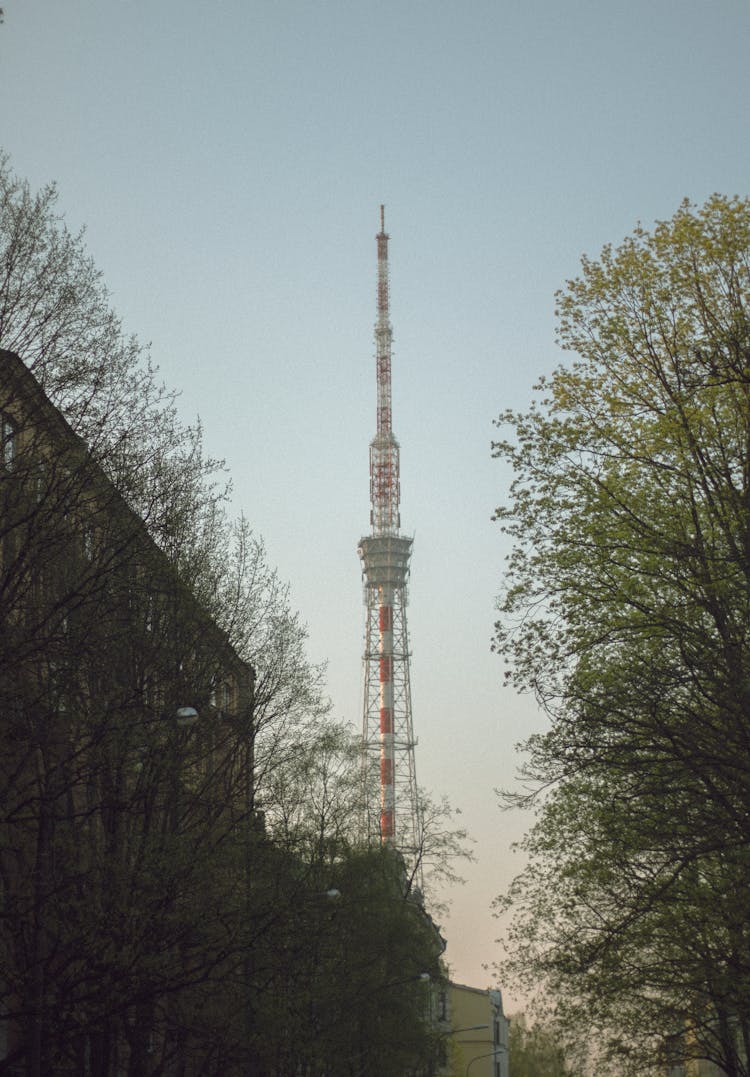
(387, 732)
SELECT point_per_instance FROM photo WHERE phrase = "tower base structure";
(391, 795)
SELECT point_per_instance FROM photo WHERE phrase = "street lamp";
(478, 1058)
(186, 717)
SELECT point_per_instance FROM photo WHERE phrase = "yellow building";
(476, 1033)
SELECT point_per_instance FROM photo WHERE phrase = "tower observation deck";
(387, 734)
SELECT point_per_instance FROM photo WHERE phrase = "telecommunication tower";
(387, 732)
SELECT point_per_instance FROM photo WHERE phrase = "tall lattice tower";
(387, 732)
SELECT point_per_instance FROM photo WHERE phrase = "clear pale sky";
(229, 159)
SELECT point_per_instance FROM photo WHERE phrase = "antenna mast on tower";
(387, 733)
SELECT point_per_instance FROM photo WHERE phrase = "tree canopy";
(534, 1051)
(626, 613)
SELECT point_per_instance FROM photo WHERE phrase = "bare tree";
(158, 877)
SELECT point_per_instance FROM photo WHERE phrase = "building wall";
(695, 1068)
(101, 644)
(483, 1051)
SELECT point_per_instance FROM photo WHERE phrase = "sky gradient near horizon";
(229, 158)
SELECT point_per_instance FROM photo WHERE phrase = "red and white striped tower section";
(387, 733)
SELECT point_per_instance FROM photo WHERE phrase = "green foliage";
(535, 1051)
(348, 981)
(627, 612)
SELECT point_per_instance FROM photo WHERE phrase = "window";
(150, 619)
(222, 696)
(58, 678)
(88, 543)
(7, 442)
(38, 483)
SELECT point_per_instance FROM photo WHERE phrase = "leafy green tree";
(348, 981)
(626, 613)
(534, 1051)
(343, 972)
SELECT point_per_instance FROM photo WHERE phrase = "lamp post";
(491, 1054)
(186, 717)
